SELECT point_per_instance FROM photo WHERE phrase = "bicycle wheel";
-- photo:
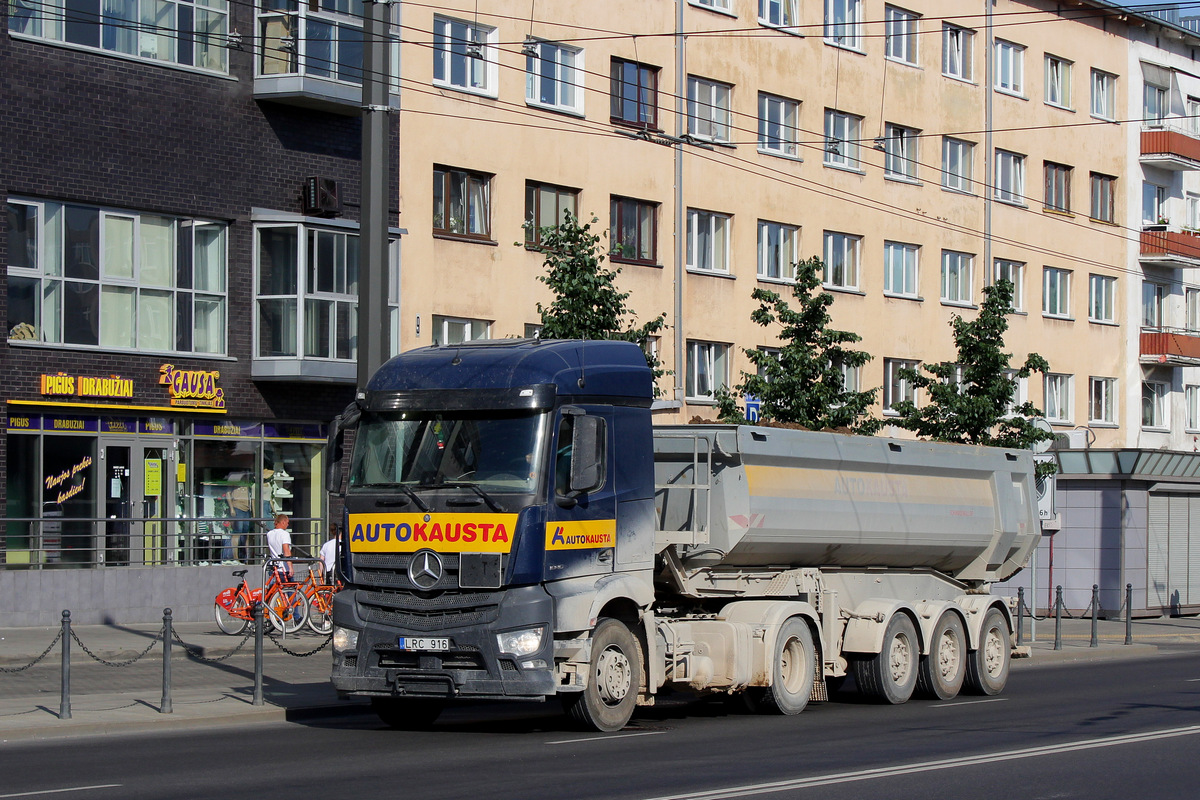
(288, 609)
(320, 612)
(227, 621)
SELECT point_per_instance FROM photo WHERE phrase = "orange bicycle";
(320, 603)
(285, 605)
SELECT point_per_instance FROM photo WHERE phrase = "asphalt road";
(1098, 730)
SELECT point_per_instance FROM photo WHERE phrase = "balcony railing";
(1170, 346)
(1171, 248)
(1170, 148)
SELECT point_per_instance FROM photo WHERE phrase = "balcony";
(1170, 148)
(1171, 347)
(1167, 248)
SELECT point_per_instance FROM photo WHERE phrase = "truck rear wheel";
(407, 714)
(942, 671)
(614, 675)
(794, 664)
(987, 667)
(890, 675)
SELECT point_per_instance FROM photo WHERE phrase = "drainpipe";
(680, 230)
(988, 148)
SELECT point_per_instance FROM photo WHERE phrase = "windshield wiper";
(474, 487)
(413, 496)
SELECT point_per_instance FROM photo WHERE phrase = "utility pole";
(374, 339)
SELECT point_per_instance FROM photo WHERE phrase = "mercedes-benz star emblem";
(425, 570)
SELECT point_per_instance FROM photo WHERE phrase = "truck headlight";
(344, 639)
(523, 642)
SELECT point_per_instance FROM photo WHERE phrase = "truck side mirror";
(587, 458)
(334, 450)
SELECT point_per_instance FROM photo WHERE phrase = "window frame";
(841, 15)
(1056, 286)
(716, 359)
(1102, 299)
(957, 271)
(842, 146)
(448, 50)
(788, 12)
(1008, 67)
(960, 42)
(901, 148)
(1103, 94)
(470, 179)
(1154, 304)
(534, 191)
(897, 389)
(1191, 399)
(789, 132)
(790, 233)
(848, 268)
(1008, 184)
(1061, 412)
(1057, 180)
(439, 323)
(901, 35)
(951, 178)
(1014, 271)
(1058, 74)
(709, 117)
(1102, 395)
(1103, 197)
(1154, 400)
(565, 74)
(645, 101)
(714, 221)
(617, 220)
(908, 270)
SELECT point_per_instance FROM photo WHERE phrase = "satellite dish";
(1041, 424)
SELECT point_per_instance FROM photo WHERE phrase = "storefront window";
(69, 478)
(291, 473)
(23, 494)
(225, 492)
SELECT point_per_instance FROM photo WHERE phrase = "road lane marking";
(930, 766)
(1192, 680)
(597, 738)
(970, 702)
(59, 791)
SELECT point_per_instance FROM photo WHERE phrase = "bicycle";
(284, 605)
(320, 603)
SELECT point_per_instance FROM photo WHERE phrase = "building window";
(462, 203)
(707, 369)
(1057, 398)
(454, 330)
(1192, 109)
(1058, 186)
(841, 139)
(323, 40)
(1102, 401)
(1058, 81)
(1154, 404)
(464, 55)
(957, 45)
(895, 388)
(778, 13)
(1153, 296)
(762, 369)
(1104, 197)
(720, 5)
(957, 156)
(777, 245)
(1104, 94)
(546, 206)
(708, 241)
(708, 109)
(1014, 273)
(95, 277)
(1192, 399)
(634, 90)
(1009, 66)
(554, 77)
(1192, 210)
(1102, 298)
(843, 21)
(956, 277)
(1056, 292)
(900, 31)
(900, 152)
(841, 260)
(175, 31)
(778, 133)
(633, 234)
(1192, 308)
(1154, 201)
(1010, 177)
(900, 269)
(1154, 105)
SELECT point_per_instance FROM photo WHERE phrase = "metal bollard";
(1129, 613)
(1058, 618)
(1095, 640)
(258, 654)
(165, 706)
(1020, 615)
(64, 703)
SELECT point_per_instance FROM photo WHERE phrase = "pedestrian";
(279, 546)
(329, 554)
(239, 507)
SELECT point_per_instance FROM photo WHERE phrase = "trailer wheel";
(890, 675)
(407, 715)
(608, 700)
(942, 671)
(987, 668)
(792, 672)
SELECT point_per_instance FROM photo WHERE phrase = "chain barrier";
(195, 652)
(312, 652)
(157, 638)
(45, 653)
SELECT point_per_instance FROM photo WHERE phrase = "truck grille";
(449, 610)
(390, 570)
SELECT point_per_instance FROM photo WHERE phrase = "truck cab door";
(581, 524)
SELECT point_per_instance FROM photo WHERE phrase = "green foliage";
(803, 383)
(968, 401)
(587, 304)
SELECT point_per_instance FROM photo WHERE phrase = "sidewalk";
(107, 699)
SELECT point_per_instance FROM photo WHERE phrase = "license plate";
(429, 643)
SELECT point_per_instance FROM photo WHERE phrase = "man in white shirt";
(329, 554)
(279, 543)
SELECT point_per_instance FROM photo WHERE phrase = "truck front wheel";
(792, 673)
(987, 668)
(614, 675)
(891, 674)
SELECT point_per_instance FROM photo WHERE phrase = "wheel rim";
(791, 666)
(949, 655)
(614, 674)
(993, 653)
(900, 658)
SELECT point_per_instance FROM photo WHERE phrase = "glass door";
(117, 494)
(135, 494)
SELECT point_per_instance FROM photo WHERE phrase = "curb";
(1075, 654)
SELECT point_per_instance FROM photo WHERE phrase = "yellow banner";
(588, 534)
(444, 533)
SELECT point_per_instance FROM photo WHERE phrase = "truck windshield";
(498, 451)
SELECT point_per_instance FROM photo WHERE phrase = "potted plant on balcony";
(1161, 225)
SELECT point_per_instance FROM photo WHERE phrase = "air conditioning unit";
(1077, 439)
(321, 197)
(1043, 489)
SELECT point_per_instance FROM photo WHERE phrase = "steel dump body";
(793, 498)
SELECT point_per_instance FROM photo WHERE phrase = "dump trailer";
(517, 528)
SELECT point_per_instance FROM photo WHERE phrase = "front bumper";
(472, 667)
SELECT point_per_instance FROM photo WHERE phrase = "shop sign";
(118, 425)
(160, 426)
(294, 430)
(114, 387)
(64, 485)
(24, 423)
(238, 430)
(192, 388)
(71, 424)
(152, 470)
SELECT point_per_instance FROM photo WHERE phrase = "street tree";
(804, 381)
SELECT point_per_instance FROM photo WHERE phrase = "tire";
(987, 667)
(226, 621)
(614, 677)
(320, 612)
(793, 666)
(890, 676)
(942, 672)
(289, 609)
(407, 715)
